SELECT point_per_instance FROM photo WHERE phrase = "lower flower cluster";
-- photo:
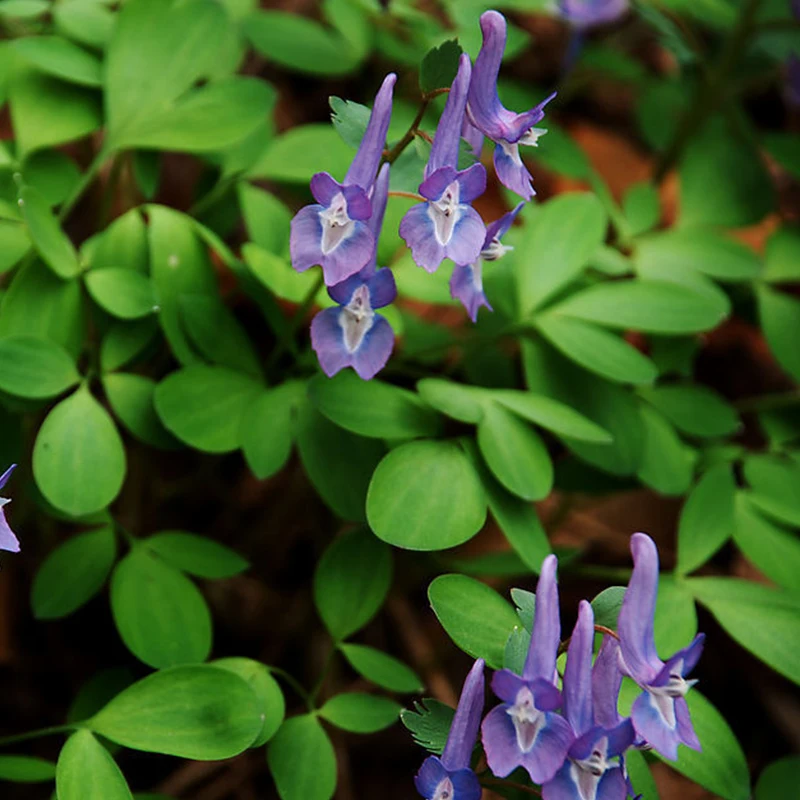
(566, 732)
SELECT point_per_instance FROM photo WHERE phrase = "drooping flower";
(524, 731)
(352, 334)
(505, 128)
(590, 700)
(333, 232)
(8, 541)
(586, 14)
(446, 225)
(450, 777)
(660, 714)
(466, 282)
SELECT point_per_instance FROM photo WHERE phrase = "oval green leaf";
(381, 668)
(52, 243)
(35, 368)
(302, 760)
(123, 292)
(197, 555)
(86, 771)
(361, 713)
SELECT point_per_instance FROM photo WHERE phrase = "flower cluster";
(340, 231)
(577, 754)
(8, 541)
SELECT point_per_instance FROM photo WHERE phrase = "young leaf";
(779, 779)
(161, 616)
(52, 243)
(780, 321)
(197, 555)
(695, 410)
(123, 292)
(26, 769)
(73, 573)
(35, 368)
(86, 771)
(199, 712)
(475, 617)
(406, 504)
(351, 581)
(302, 760)
(276, 275)
(774, 481)
(350, 120)
(642, 207)
(439, 67)
(666, 462)
(429, 723)
(60, 58)
(360, 713)
(78, 457)
(381, 668)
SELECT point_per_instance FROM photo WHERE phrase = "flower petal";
(417, 231)
(8, 541)
(588, 13)
(612, 785)
(505, 684)
(578, 672)
(500, 227)
(466, 785)
(466, 243)
(6, 475)
(430, 775)
(473, 137)
(444, 151)
(382, 288)
(651, 724)
(375, 349)
(512, 172)
(541, 660)
(686, 732)
(325, 188)
(437, 181)
(500, 742)
(471, 182)
(305, 241)
(350, 255)
(467, 720)
(327, 340)
(466, 285)
(563, 785)
(548, 753)
(606, 683)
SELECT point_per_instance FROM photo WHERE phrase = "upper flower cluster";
(340, 231)
(577, 754)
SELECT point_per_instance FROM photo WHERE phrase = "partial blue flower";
(524, 731)
(505, 128)
(450, 777)
(588, 772)
(352, 334)
(446, 225)
(466, 282)
(333, 232)
(660, 714)
(8, 541)
(586, 14)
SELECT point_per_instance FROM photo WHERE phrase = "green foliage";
(26, 769)
(35, 368)
(381, 668)
(360, 713)
(86, 771)
(439, 67)
(429, 723)
(779, 779)
(196, 555)
(124, 293)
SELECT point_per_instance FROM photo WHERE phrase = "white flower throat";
(527, 719)
(445, 213)
(336, 224)
(356, 318)
(444, 791)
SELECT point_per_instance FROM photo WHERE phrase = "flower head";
(446, 225)
(334, 232)
(660, 714)
(589, 13)
(505, 128)
(450, 777)
(8, 541)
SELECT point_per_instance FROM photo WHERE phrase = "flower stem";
(37, 734)
(86, 180)
(295, 684)
(408, 137)
(324, 674)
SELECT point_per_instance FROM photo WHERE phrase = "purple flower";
(524, 731)
(8, 541)
(505, 128)
(450, 777)
(466, 282)
(334, 231)
(588, 13)
(446, 225)
(352, 334)
(590, 706)
(660, 714)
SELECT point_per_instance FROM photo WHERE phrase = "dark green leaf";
(265, 217)
(51, 242)
(196, 555)
(782, 259)
(429, 723)
(35, 368)
(675, 617)
(381, 668)
(360, 713)
(695, 410)
(779, 779)
(774, 481)
(302, 760)
(53, 173)
(26, 769)
(439, 67)
(640, 775)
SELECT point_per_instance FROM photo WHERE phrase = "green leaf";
(131, 399)
(125, 341)
(782, 259)
(302, 760)
(86, 771)
(88, 22)
(607, 606)
(266, 690)
(706, 521)
(350, 120)
(773, 549)
(23, 9)
(372, 408)
(360, 713)
(642, 208)
(560, 240)
(351, 581)
(561, 153)
(199, 712)
(456, 400)
(161, 616)
(429, 723)
(265, 217)
(764, 621)
(515, 453)
(553, 415)
(35, 368)
(78, 457)
(197, 555)
(60, 58)
(123, 292)
(675, 616)
(124, 242)
(474, 616)
(73, 573)
(381, 668)
(597, 350)
(338, 463)
(650, 306)
(666, 463)
(774, 481)
(640, 775)
(147, 172)
(51, 242)
(14, 243)
(693, 409)
(53, 173)
(780, 321)
(268, 428)
(204, 406)
(783, 147)
(439, 67)
(779, 779)
(275, 273)
(26, 769)
(407, 506)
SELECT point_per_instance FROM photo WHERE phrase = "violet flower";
(334, 231)
(505, 128)
(524, 731)
(660, 714)
(8, 541)
(466, 282)
(352, 334)
(584, 14)
(446, 225)
(450, 777)
(590, 706)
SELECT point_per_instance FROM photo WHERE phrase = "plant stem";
(408, 136)
(295, 684)
(324, 674)
(86, 179)
(37, 734)
(769, 402)
(296, 321)
(217, 192)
